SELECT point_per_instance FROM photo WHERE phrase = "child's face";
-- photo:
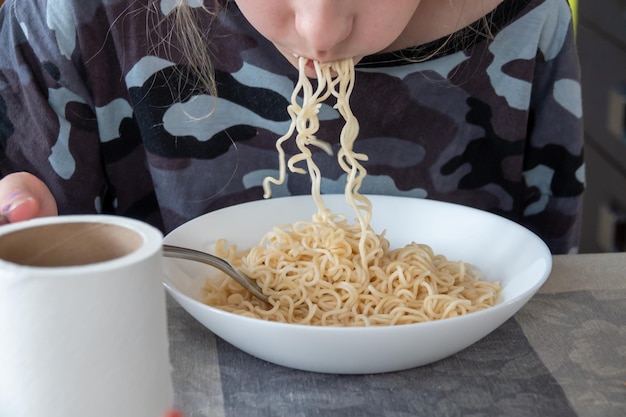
(328, 30)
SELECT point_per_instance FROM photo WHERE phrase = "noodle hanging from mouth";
(328, 271)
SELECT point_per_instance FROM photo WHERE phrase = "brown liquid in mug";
(68, 244)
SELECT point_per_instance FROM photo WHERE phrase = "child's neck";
(434, 19)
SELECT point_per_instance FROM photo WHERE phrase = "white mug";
(83, 328)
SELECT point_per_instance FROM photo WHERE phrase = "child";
(110, 106)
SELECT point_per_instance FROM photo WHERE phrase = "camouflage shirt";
(93, 103)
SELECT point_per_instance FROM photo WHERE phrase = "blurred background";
(601, 39)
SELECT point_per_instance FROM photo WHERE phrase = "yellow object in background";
(574, 5)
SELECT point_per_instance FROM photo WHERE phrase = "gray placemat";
(501, 375)
(580, 336)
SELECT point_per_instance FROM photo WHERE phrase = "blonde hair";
(191, 43)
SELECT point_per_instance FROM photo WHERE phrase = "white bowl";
(503, 250)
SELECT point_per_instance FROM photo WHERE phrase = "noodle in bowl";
(502, 250)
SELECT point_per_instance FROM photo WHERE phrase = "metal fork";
(215, 261)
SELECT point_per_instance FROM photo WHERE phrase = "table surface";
(563, 354)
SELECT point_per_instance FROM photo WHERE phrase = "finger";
(23, 196)
(20, 206)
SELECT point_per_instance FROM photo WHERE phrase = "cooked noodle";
(328, 271)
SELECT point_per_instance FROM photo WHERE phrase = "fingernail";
(9, 202)
(12, 201)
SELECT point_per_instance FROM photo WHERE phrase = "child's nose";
(323, 25)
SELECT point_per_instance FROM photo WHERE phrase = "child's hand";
(23, 196)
